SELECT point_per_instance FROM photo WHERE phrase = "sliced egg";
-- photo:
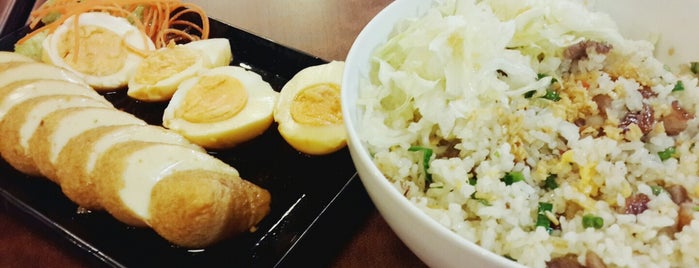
(125, 175)
(308, 111)
(13, 72)
(57, 128)
(221, 107)
(7, 56)
(217, 51)
(22, 120)
(158, 76)
(105, 52)
(79, 156)
(15, 93)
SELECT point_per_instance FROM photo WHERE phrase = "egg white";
(7, 56)
(16, 72)
(252, 120)
(155, 161)
(130, 35)
(217, 51)
(308, 138)
(207, 53)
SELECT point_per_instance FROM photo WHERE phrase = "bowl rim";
(381, 25)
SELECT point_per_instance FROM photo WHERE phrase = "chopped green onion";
(544, 206)
(667, 153)
(473, 181)
(695, 208)
(679, 86)
(694, 67)
(529, 94)
(543, 221)
(540, 75)
(483, 201)
(426, 156)
(512, 177)
(592, 221)
(541, 218)
(550, 182)
(656, 189)
(552, 95)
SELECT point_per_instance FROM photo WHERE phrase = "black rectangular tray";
(317, 201)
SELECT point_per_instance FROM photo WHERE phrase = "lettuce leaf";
(33, 47)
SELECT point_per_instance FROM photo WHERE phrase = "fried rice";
(536, 130)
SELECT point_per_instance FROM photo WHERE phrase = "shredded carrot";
(161, 20)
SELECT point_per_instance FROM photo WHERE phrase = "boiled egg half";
(308, 111)
(104, 51)
(221, 107)
(158, 76)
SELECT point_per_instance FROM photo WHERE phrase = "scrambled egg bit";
(104, 51)
(221, 107)
(308, 111)
(158, 76)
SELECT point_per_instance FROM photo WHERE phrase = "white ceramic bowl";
(431, 242)
(668, 24)
(434, 244)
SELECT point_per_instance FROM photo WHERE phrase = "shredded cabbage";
(467, 54)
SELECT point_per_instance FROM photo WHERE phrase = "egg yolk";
(317, 105)
(99, 52)
(164, 64)
(213, 99)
